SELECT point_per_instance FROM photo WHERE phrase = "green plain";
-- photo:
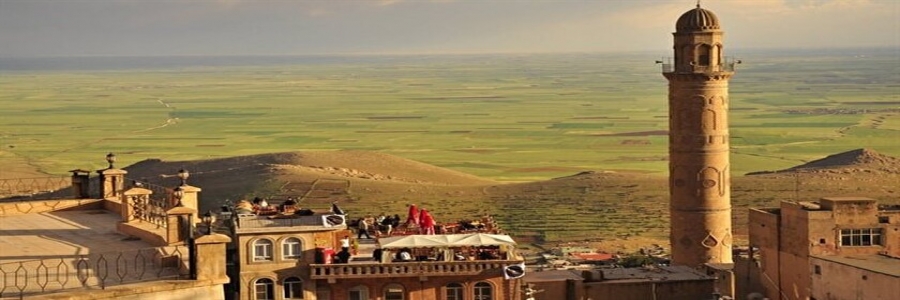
(505, 117)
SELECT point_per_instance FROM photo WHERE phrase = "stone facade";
(835, 279)
(846, 234)
(699, 174)
(266, 267)
(280, 266)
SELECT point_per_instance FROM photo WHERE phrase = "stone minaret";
(699, 180)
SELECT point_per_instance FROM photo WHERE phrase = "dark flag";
(336, 210)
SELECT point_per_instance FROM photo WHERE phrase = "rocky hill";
(853, 161)
(294, 174)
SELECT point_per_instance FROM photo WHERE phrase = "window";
(454, 291)
(293, 288)
(483, 291)
(818, 270)
(393, 292)
(861, 237)
(359, 292)
(265, 289)
(262, 250)
(291, 248)
(703, 57)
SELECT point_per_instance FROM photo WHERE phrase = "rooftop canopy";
(446, 240)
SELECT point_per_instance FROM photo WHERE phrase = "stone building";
(699, 174)
(290, 257)
(658, 282)
(834, 248)
(112, 241)
(142, 241)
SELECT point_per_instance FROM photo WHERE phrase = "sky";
(297, 27)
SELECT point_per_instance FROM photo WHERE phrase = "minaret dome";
(697, 19)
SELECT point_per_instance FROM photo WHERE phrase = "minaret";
(699, 180)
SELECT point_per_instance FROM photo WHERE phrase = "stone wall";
(837, 281)
(640, 290)
(161, 290)
(428, 288)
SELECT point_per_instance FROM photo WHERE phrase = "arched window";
(293, 288)
(291, 248)
(262, 250)
(454, 291)
(703, 56)
(264, 289)
(359, 292)
(393, 292)
(484, 291)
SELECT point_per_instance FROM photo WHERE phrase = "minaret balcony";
(727, 66)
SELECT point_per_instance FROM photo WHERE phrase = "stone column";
(178, 231)
(81, 182)
(112, 183)
(191, 199)
(211, 256)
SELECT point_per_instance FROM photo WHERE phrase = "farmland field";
(503, 117)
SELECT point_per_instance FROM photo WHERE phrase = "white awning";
(446, 240)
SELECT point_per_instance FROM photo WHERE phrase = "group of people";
(260, 206)
(381, 225)
(421, 221)
(434, 254)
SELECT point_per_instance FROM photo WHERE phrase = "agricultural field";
(522, 123)
(504, 117)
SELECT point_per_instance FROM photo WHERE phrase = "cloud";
(387, 2)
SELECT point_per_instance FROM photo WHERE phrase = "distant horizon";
(11, 65)
(45, 28)
(728, 51)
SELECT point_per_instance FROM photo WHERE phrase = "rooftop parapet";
(315, 222)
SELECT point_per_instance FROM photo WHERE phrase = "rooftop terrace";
(62, 233)
(875, 263)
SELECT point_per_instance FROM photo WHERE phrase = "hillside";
(621, 209)
(853, 161)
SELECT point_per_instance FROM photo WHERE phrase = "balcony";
(728, 65)
(408, 269)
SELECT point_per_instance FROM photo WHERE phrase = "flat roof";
(551, 275)
(848, 198)
(317, 222)
(660, 273)
(874, 262)
(62, 234)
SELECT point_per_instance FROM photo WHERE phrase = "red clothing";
(413, 217)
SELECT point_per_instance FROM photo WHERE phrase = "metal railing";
(407, 269)
(35, 188)
(159, 192)
(727, 65)
(23, 278)
(152, 208)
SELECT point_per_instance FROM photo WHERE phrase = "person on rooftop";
(345, 243)
(412, 219)
(363, 228)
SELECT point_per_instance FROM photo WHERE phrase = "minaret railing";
(727, 65)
